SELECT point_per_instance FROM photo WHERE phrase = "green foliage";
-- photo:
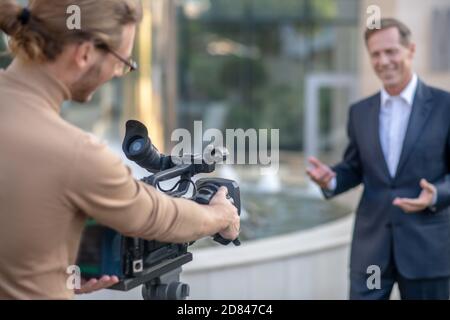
(274, 107)
(236, 71)
(261, 91)
(205, 71)
(281, 109)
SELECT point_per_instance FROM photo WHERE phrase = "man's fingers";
(404, 207)
(313, 173)
(325, 176)
(320, 174)
(315, 162)
(222, 191)
(97, 284)
(329, 175)
(220, 197)
(103, 281)
(410, 205)
(413, 202)
(317, 172)
(427, 186)
(106, 282)
(409, 209)
(93, 286)
(419, 203)
(87, 287)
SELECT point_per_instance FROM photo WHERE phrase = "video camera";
(153, 264)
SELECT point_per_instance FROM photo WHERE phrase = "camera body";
(137, 261)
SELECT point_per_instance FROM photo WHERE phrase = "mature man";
(399, 150)
(53, 175)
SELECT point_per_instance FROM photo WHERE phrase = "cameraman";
(52, 174)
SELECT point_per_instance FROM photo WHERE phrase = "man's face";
(106, 67)
(391, 60)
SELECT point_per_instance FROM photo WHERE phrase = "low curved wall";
(311, 264)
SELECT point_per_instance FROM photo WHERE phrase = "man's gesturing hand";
(424, 200)
(320, 173)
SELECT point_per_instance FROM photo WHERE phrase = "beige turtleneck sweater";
(52, 177)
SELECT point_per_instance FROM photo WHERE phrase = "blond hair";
(44, 34)
(386, 23)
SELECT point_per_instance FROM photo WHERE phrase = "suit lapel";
(374, 135)
(419, 115)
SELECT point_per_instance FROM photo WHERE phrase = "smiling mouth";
(387, 73)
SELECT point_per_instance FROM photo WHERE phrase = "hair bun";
(24, 16)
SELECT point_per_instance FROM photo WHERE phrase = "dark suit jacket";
(419, 242)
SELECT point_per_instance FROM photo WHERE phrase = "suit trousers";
(410, 289)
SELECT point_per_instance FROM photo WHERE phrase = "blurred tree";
(237, 70)
(260, 73)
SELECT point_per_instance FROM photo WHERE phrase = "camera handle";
(206, 189)
(205, 193)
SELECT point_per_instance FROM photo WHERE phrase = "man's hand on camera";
(220, 203)
(97, 284)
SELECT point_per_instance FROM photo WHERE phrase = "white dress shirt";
(394, 117)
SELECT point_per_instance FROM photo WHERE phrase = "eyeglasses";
(129, 65)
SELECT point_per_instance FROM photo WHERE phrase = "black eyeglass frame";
(131, 64)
